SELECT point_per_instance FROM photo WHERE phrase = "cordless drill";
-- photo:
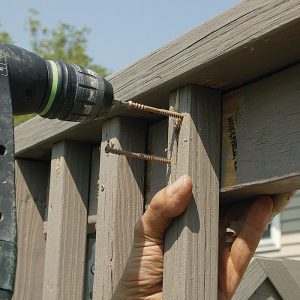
(53, 89)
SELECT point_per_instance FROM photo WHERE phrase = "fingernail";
(175, 187)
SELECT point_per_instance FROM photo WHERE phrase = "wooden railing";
(236, 78)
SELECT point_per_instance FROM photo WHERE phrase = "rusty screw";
(155, 110)
(110, 149)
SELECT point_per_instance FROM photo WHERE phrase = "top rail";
(249, 41)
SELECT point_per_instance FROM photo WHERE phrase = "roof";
(284, 274)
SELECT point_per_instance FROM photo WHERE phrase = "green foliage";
(21, 119)
(64, 42)
(5, 38)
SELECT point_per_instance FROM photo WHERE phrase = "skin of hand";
(235, 257)
(143, 274)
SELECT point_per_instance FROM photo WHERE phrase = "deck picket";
(31, 200)
(245, 62)
(191, 245)
(120, 203)
(67, 221)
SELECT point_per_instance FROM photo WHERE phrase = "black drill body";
(53, 89)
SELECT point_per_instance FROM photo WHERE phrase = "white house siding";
(290, 232)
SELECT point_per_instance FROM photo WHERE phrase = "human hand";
(143, 274)
(234, 257)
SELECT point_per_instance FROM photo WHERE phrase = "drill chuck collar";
(55, 89)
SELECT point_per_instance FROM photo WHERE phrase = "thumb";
(168, 203)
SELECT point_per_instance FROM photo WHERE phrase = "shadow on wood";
(192, 239)
(31, 200)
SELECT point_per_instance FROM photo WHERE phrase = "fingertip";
(264, 205)
(173, 200)
(178, 202)
(187, 186)
(182, 184)
(187, 183)
(166, 204)
(260, 212)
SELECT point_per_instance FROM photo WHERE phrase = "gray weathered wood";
(120, 202)
(94, 181)
(254, 277)
(157, 144)
(266, 291)
(31, 199)
(91, 225)
(67, 221)
(293, 269)
(282, 275)
(261, 147)
(90, 266)
(191, 246)
(248, 41)
(281, 278)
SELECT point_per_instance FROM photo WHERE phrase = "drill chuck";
(75, 93)
(55, 89)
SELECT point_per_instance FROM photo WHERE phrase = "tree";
(64, 42)
(5, 37)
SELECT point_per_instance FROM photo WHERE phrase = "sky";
(122, 31)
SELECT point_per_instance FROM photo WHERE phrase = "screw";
(93, 269)
(155, 110)
(109, 149)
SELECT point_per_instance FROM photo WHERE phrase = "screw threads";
(155, 110)
(136, 105)
(109, 149)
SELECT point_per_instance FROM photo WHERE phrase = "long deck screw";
(111, 149)
(155, 110)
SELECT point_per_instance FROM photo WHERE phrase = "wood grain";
(253, 278)
(94, 181)
(265, 291)
(281, 278)
(67, 221)
(157, 144)
(261, 147)
(120, 203)
(280, 273)
(251, 40)
(91, 225)
(191, 246)
(31, 199)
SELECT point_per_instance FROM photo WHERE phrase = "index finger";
(244, 246)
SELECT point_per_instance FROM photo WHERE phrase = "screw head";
(93, 269)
